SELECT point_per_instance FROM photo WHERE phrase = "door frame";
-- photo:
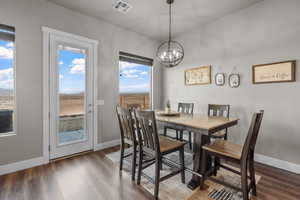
(46, 86)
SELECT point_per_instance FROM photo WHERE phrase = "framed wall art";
(220, 79)
(234, 80)
(274, 72)
(198, 76)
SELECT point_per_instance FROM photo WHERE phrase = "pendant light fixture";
(170, 53)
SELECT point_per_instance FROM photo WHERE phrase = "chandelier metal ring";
(170, 57)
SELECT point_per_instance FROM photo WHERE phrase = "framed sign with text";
(274, 72)
(198, 76)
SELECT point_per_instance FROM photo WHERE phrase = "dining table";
(202, 126)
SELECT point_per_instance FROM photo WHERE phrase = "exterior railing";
(140, 100)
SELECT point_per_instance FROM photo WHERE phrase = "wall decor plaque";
(274, 72)
(220, 79)
(234, 80)
(198, 76)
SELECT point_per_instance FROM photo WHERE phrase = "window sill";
(3, 135)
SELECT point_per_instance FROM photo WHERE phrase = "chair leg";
(133, 164)
(226, 136)
(216, 165)
(161, 166)
(181, 158)
(181, 135)
(252, 175)
(121, 155)
(203, 169)
(140, 165)
(157, 177)
(190, 140)
(165, 131)
(244, 182)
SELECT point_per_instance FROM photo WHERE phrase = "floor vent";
(122, 6)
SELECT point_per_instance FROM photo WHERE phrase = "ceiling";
(150, 17)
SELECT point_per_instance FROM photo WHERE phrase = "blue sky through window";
(71, 72)
(134, 78)
(6, 65)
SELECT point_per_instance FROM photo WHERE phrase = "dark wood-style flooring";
(94, 177)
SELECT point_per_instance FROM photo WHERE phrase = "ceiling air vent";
(122, 6)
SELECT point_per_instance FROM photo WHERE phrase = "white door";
(71, 96)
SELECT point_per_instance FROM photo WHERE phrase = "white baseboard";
(17, 166)
(106, 145)
(26, 164)
(274, 162)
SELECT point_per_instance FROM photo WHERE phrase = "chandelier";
(170, 53)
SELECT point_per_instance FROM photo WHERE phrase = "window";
(135, 84)
(7, 80)
(72, 94)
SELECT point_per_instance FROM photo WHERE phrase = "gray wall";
(28, 16)
(265, 32)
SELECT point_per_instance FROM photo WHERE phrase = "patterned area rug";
(173, 189)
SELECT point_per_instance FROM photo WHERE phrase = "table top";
(197, 121)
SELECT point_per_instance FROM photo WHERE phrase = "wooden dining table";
(202, 127)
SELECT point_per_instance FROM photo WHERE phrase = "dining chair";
(218, 110)
(185, 108)
(241, 155)
(128, 137)
(153, 148)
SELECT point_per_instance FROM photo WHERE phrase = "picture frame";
(198, 76)
(220, 79)
(277, 72)
(234, 80)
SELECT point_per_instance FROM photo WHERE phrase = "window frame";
(14, 63)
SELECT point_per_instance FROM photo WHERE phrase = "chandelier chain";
(170, 21)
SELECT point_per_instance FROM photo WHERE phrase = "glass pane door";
(71, 96)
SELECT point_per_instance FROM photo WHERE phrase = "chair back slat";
(134, 106)
(147, 130)
(126, 124)
(250, 142)
(215, 110)
(186, 108)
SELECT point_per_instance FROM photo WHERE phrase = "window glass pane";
(135, 85)
(71, 95)
(7, 86)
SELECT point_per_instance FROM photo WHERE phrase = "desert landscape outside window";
(7, 79)
(72, 91)
(135, 84)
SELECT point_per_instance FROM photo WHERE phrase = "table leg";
(199, 140)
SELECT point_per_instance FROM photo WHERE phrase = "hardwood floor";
(94, 177)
